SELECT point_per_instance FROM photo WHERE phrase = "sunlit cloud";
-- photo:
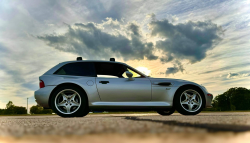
(144, 70)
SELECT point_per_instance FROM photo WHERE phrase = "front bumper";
(209, 100)
(42, 96)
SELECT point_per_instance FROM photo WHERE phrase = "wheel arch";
(190, 85)
(67, 84)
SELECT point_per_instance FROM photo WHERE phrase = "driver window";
(114, 70)
(135, 74)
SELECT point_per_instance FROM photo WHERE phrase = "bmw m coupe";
(74, 88)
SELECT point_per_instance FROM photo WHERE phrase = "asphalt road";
(205, 127)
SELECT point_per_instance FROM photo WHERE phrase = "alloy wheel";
(67, 101)
(191, 100)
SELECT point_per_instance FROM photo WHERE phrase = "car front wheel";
(69, 101)
(189, 101)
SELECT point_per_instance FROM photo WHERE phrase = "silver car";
(74, 88)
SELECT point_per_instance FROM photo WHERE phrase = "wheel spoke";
(190, 107)
(74, 103)
(61, 103)
(68, 108)
(187, 95)
(72, 97)
(184, 102)
(65, 97)
(196, 102)
(193, 97)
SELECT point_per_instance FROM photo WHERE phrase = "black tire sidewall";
(177, 103)
(82, 111)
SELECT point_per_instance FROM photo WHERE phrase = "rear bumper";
(42, 96)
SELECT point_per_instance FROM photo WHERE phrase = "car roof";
(92, 61)
(52, 70)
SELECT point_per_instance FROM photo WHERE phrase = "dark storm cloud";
(189, 40)
(167, 58)
(91, 42)
(177, 67)
(135, 29)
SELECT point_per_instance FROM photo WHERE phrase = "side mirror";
(129, 75)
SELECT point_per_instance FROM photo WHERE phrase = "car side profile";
(74, 88)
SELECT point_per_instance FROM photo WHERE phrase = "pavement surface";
(205, 127)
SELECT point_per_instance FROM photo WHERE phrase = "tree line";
(237, 98)
(11, 109)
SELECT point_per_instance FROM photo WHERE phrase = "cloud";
(227, 68)
(167, 58)
(237, 75)
(190, 40)
(135, 29)
(90, 41)
(184, 41)
(151, 16)
(177, 67)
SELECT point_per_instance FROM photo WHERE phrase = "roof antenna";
(79, 58)
(112, 59)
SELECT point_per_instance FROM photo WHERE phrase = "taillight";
(41, 84)
(209, 94)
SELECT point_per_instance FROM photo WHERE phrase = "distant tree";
(240, 98)
(20, 110)
(222, 102)
(2, 111)
(9, 108)
(10, 105)
(36, 109)
(39, 110)
(12, 109)
(237, 98)
(47, 111)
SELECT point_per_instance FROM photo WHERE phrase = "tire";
(69, 101)
(166, 112)
(189, 100)
(85, 113)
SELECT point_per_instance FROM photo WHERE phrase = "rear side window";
(77, 69)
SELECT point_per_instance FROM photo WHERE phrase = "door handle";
(104, 82)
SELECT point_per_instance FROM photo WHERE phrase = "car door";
(115, 87)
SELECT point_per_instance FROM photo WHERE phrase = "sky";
(207, 42)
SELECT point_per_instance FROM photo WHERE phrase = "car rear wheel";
(166, 112)
(69, 101)
(189, 100)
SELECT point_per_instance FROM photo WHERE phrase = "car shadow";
(208, 127)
